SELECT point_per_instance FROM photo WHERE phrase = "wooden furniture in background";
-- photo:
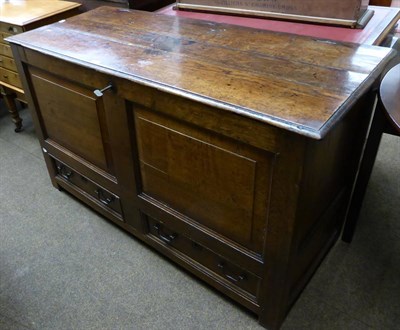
(230, 150)
(379, 30)
(15, 17)
(148, 5)
(350, 13)
(386, 120)
(92, 4)
(385, 3)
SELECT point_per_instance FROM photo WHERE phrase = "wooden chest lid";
(297, 83)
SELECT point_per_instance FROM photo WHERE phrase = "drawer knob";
(99, 92)
(233, 278)
(64, 171)
(102, 198)
(197, 246)
(164, 237)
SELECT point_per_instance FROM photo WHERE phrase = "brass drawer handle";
(196, 246)
(164, 237)
(64, 171)
(232, 278)
(99, 92)
(12, 29)
(102, 198)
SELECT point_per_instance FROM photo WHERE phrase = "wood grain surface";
(188, 147)
(23, 12)
(294, 82)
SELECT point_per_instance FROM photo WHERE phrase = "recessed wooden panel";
(71, 117)
(5, 50)
(214, 181)
(7, 63)
(10, 77)
(4, 35)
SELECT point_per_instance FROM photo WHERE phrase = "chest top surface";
(23, 12)
(294, 82)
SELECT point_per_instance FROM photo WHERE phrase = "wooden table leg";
(364, 173)
(12, 109)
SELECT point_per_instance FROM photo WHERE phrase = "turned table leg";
(12, 109)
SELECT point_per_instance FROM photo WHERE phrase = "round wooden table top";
(390, 96)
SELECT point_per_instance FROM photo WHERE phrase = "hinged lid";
(297, 83)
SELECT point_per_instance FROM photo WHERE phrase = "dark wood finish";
(92, 4)
(232, 275)
(87, 187)
(237, 166)
(82, 109)
(18, 17)
(385, 3)
(385, 120)
(348, 13)
(232, 189)
(379, 31)
(148, 5)
(8, 97)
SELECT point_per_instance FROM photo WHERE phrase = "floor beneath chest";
(62, 266)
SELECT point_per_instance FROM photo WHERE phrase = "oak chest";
(237, 166)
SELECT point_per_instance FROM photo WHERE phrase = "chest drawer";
(10, 28)
(7, 63)
(88, 188)
(235, 276)
(4, 35)
(5, 50)
(10, 77)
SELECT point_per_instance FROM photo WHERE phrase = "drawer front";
(7, 63)
(5, 50)
(4, 35)
(100, 194)
(10, 77)
(235, 275)
(10, 28)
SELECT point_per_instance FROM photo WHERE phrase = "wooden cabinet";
(17, 17)
(149, 5)
(386, 3)
(350, 13)
(237, 166)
